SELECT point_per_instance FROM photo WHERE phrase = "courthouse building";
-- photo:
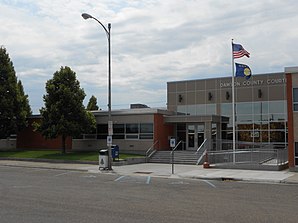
(266, 112)
(266, 117)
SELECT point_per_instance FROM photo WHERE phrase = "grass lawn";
(57, 155)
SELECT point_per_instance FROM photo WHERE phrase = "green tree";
(23, 108)
(14, 104)
(92, 104)
(64, 113)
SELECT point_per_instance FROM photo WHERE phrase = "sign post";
(110, 128)
(109, 142)
(172, 144)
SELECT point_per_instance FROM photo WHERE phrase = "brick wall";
(162, 132)
(28, 139)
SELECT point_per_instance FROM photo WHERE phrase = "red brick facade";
(29, 139)
(162, 132)
(291, 132)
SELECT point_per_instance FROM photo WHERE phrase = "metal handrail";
(251, 156)
(204, 151)
(201, 146)
(201, 157)
(151, 152)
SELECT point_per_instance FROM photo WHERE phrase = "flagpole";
(233, 107)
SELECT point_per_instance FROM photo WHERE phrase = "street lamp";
(110, 123)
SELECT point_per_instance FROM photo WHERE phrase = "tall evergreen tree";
(14, 104)
(92, 104)
(64, 113)
(23, 107)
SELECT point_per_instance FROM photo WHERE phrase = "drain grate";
(227, 179)
(143, 172)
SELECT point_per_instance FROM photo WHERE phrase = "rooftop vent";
(135, 106)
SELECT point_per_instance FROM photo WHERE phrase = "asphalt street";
(43, 195)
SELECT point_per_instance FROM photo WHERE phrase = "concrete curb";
(44, 167)
(50, 160)
(128, 161)
(252, 180)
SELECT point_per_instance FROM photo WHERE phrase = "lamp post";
(110, 123)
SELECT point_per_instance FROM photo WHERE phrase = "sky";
(152, 42)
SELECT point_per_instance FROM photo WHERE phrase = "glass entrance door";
(191, 137)
(195, 136)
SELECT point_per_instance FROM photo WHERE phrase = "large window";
(127, 131)
(102, 131)
(132, 131)
(198, 109)
(118, 131)
(295, 99)
(244, 108)
(146, 131)
(259, 122)
(226, 109)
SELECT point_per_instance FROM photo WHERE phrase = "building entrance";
(195, 136)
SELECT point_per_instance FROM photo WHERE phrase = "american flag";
(239, 51)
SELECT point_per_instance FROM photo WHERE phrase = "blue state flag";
(243, 70)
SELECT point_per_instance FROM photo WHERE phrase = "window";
(244, 108)
(211, 109)
(201, 109)
(146, 131)
(261, 107)
(127, 131)
(132, 131)
(131, 136)
(118, 131)
(276, 107)
(139, 131)
(102, 128)
(102, 131)
(182, 109)
(191, 109)
(197, 109)
(295, 99)
(244, 118)
(132, 128)
(226, 109)
(146, 128)
(277, 136)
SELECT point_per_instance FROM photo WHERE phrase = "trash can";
(103, 158)
(115, 152)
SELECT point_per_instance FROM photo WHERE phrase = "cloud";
(153, 42)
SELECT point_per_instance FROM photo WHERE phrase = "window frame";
(295, 103)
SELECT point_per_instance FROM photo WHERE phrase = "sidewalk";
(198, 172)
(165, 170)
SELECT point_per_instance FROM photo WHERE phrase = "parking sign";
(109, 140)
(172, 142)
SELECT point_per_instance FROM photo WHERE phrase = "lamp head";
(86, 16)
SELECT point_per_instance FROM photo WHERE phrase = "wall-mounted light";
(209, 96)
(227, 95)
(180, 98)
(260, 93)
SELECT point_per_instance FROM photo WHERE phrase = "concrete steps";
(180, 157)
